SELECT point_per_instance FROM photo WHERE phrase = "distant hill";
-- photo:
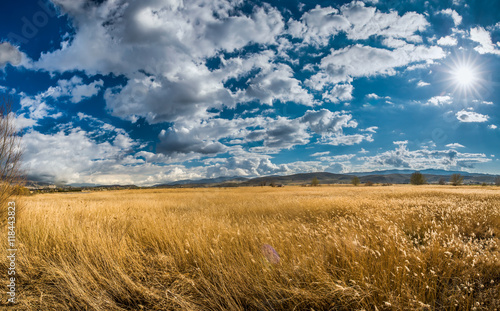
(388, 176)
(203, 181)
(425, 172)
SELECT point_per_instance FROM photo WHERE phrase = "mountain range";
(386, 176)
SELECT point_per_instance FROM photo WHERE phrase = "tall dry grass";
(341, 248)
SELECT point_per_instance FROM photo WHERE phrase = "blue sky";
(149, 92)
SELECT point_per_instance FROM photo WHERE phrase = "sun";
(465, 76)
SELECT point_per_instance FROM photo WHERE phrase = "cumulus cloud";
(447, 41)
(64, 157)
(198, 138)
(340, 92)
(471, 116)
(161, 47)
(365, 61)
(457, 19)
(440, 100)
(249, 165)
(358, 21)
(483, 37)
(402, 157)
(318, 25)
(9, 54)
(40, 106)
(278, 83)
(367, 22)
(37, 108)
(76, 89)
(184, 62)
(159, 99)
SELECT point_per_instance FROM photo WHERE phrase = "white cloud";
(77, 90)
(492, 126)
(372, 129)
(277, 83)
(196, 139)
(21, 122)
(36, 107)
(471, 116)
(358, 21)
(447, 41)
(340, 92)
(422, 83)
(440, 100)
(39, 106)
(69, 157)
(159, 99)
(10, 54)
(367, 22)
(365, 61)
(318, 25)
(246, 164)
(483, 37)
(455, 145)
(161, 47)
(338, 158)
(421, 159)
(457, 19)
(320, 154)
(372, 96)
(345, 140)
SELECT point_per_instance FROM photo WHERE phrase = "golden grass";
(341, 248)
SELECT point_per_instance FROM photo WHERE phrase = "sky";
(148, 92)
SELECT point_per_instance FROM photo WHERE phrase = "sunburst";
(465, 76)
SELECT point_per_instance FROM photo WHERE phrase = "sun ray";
(465, 76)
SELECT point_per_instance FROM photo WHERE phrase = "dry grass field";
(340, 248)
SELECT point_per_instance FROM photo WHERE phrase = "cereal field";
(339, 248)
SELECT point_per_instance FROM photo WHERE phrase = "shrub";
(417, 178)
(355, 180)
(456, 179)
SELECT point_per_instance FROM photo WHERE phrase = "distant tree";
(355, 180)
(484, 184)
(456, 179)
(442, 181)
(369, 183)
(272, 184)
(497, 181)
(262, 183)
(417, 178)
(315, 182)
